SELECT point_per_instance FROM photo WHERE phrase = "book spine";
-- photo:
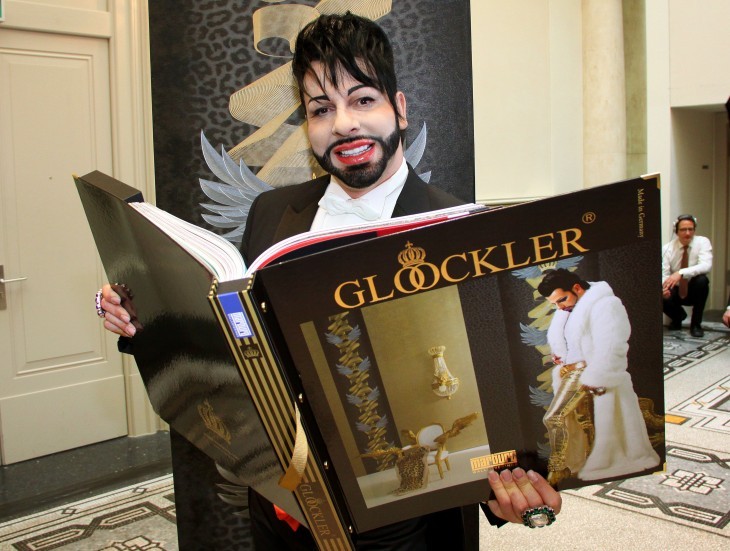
(256, 360)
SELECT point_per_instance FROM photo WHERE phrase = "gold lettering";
(417, 278)
(481, 261)
(510, 257)
(577, 234)
(445, 272)
(374, 291)
(359, 294)
(539, 247)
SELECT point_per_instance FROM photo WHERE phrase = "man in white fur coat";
(588, 337)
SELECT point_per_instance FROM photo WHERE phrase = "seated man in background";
(686, 261)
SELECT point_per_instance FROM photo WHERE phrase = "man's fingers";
(119, 326)
(508, 496)
(116, 319)
(115, 310)
(516, 491)
(110, 295)
(548, 495)
(496, 510)
(532, 496)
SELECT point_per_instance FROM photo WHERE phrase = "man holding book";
(355, 113)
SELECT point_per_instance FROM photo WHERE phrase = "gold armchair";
(437, 454)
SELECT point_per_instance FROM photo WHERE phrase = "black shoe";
(675, 325)
(696, 331)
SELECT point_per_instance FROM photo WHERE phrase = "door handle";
(3, 281)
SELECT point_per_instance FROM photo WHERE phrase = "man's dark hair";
(346, 44)
(683, 217)
(560, 279)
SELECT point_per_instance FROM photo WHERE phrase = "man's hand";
(726, 318)
(670, 283)
(116, 318)
(595, 390)
(516, 491)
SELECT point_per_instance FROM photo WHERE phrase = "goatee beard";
(366, 174)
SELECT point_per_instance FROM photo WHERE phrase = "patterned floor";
(694, 490)
(137, 518)
(665, 511)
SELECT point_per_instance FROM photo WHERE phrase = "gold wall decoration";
(444, 384)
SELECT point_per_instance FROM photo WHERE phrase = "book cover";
(183, 357)
(422, 359)
(418, 360)
(211, 373)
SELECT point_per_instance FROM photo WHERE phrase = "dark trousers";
(697, 290)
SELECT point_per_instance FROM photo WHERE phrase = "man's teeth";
(352, 152)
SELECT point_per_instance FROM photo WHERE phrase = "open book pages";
(219, 256)
(224, 261)
(376, 229)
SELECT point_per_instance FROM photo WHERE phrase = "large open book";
(414, 353)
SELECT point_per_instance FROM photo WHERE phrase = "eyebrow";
(324, 97)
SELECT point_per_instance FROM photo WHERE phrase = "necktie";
(683, 283)
(335, 205)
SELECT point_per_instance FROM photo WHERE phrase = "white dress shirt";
(380, 200)
(700, 258)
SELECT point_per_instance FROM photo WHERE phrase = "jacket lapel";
(412, 199)
(299, 214)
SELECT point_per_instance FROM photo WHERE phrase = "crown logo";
(251, 352)
(212, 422)
(411, 256)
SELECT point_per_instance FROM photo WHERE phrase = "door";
(61, 378)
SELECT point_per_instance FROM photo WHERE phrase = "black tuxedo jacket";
(287, 211)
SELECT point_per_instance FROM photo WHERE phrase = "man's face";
(353, 130)
(565, 300)
(685, 231)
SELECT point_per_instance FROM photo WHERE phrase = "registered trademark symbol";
(589, 217)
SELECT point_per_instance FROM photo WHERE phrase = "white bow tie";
(334, 205)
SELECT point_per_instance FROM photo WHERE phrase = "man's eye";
(319, 111)
(365, 100)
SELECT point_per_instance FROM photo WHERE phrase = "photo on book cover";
(409, 424)
(427, 360)
(407, 391)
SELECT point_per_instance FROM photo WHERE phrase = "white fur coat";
(597, 332)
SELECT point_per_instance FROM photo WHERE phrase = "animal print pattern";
(202, 52)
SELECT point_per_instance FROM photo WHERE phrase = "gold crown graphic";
(212, 422)
(411, 256)
(251, 352)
